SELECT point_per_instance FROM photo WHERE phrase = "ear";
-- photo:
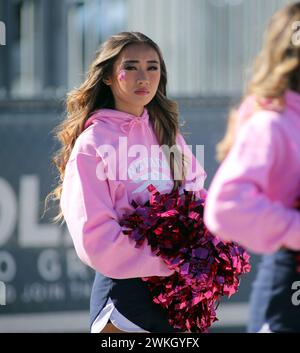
(107, 81)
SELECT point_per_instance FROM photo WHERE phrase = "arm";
(238, 207)
(92, 222)
(196, 175)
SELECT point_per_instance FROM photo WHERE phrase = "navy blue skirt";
(132, 299)
(271, 298)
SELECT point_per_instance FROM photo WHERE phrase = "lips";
(141, 92)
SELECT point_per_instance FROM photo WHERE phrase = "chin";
(142, 100)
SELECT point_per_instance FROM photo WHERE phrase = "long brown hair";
(275, 70)
(94, 94)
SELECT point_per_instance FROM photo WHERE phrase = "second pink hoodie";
(93, 207)
(251, 198)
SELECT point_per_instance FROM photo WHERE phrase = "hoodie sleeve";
(238, 207)
(93, 224)
(196, 175)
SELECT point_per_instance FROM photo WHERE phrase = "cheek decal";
(121, 75)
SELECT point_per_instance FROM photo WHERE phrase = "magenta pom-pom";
(206, 268)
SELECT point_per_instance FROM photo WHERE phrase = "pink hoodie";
(251, 197)
(92, 206)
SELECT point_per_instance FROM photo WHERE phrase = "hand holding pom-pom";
(205, 267)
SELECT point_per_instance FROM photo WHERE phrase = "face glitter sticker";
(121, 75)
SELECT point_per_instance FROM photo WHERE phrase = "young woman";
(252, 197)
(121, 111)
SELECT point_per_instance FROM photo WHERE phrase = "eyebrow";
(137, 61)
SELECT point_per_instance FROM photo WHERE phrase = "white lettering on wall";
(31, 233)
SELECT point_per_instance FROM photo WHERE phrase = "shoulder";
(86, 143)
(182, 138)
(265, 118)
(263, 124)
(261, 140)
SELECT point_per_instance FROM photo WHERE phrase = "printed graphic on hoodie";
(150, 171)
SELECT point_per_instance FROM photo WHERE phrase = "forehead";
(141, 52)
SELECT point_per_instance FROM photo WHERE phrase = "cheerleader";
(252, 198)
(121, 111)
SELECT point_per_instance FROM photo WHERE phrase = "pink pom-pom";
(206, 268)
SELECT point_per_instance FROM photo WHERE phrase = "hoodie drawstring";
(128, 125)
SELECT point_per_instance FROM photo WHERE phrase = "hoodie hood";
(116, 118)
(292, 100)
(251, 104)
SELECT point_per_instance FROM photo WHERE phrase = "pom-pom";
(206, 268)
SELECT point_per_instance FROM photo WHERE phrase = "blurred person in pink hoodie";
(252, 198)
(121, 111)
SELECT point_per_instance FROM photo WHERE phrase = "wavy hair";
(94, 94)
(275, 69)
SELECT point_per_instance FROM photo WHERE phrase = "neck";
(136, 111)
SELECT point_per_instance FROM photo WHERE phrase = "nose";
(142, 78)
